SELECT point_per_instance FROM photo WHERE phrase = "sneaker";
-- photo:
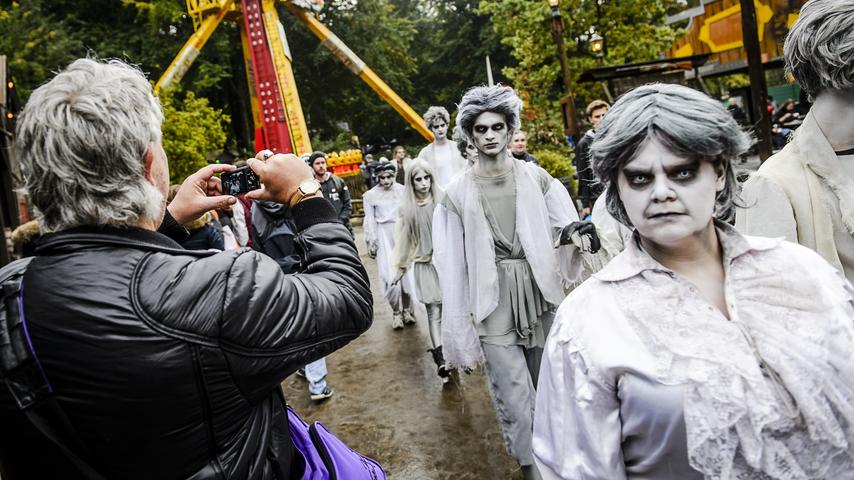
(441, 368)
(397, 321)
(326, 393)
(301, 373)
(408, 317)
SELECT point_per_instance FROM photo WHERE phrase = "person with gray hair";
(494, 237)
(805, 192)
(697, 352)
(441, 154)
(154, 361)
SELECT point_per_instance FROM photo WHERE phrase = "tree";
(193, 132)
(634, 31)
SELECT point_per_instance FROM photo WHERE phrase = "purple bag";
(327, 457)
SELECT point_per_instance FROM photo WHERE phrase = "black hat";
(384, 167)
(314, 156)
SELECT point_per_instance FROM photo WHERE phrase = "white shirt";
(640, 373)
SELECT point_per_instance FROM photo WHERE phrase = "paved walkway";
(390, 405)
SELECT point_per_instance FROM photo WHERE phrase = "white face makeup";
(668, 198)
(490, 133)
(519, 143)
(439, 128)
(421, 182)
(386, 180)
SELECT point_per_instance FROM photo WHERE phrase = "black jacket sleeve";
(291, 320)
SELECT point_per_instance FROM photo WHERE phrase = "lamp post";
(570, 124)
(597, 46)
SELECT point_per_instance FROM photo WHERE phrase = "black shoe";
(439, 359)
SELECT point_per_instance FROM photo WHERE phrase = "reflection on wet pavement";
(390, 405)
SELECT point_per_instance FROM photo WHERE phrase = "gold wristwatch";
(306, 189)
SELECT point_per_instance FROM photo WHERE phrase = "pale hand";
(199, 193)
(400, 274)
(280, 174)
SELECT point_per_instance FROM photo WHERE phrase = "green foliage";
(558, 164)
(193, 132)
(633, 31)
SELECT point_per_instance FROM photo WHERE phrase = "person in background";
(401, 161)
(441, 154)
(334, 188)
(589, 188)
(805, 193)
(413, 246)
(382, 211)
(519, 147)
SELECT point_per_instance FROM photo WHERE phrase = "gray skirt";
(426, 283)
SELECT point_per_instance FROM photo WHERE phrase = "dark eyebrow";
(628, 171)
(682, 165)
(489, 126)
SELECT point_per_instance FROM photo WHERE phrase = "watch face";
(309, 187)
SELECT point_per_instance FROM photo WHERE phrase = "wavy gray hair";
(819, 49)
(82, 139)
(436, 113)
(498, 99)
(689, 123)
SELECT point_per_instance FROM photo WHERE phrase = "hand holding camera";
(280, 174)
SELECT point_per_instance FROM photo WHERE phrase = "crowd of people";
(667, 325)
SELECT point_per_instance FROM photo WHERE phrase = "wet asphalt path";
(390, 405)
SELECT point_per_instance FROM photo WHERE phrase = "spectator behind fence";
(165, 363)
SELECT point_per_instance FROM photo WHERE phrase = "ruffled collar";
(769, 394)
(633, 260)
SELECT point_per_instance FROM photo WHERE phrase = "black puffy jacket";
(168, 362)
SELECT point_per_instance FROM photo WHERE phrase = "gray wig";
(436, 113)
(819, 49)
(685, 121)
(82, 139)
(497, 99)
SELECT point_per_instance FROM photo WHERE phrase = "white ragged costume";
(381, 213)
(499, 290)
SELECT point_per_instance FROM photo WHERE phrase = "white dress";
(643, 379)
(381, 213)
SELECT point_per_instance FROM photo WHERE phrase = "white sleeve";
(370, 224)
(238, 221)
(562, 212)
(461, 345)
(577, 429)
(767, 212)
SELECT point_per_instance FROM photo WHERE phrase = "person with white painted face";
(805, 192)
(382, 211)
(413, 245)
(697, 352)
(494, 236)
(441, 154)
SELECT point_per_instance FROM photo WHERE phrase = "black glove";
(574, 232)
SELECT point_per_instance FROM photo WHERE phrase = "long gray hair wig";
(82, 139)
(688, 123)
(819, 49)
(497, 99)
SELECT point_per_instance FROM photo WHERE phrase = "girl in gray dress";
(414, 246)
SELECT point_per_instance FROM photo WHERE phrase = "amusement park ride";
(279, 122)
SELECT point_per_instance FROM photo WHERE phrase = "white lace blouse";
(643, 379)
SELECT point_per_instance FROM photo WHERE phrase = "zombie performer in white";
(442, 154)
(697, 352)
(382, 204)
(414, 246)
(501, 275)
